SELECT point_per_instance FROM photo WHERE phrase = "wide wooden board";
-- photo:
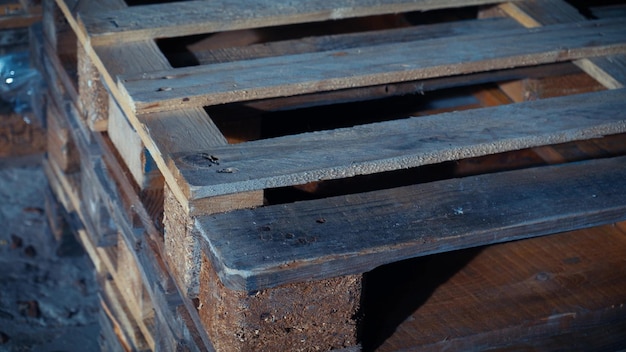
(194, 17)
(400, 144)
(264, 247)
(365, 66)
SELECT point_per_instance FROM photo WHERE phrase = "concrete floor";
(48, 290)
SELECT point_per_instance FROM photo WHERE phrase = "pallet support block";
(315, 315)
(181, 247)
(93, 96)
(182, 243)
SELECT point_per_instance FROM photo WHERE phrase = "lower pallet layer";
(566, 290)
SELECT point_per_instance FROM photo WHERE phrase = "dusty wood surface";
(610, 70)
(93, 97)
(342, 235)
(305, 316)
(539, 13)
(194, 17)
(364, 66)
(353, 40)
(171, 326)
(400, 144)
(161, 133)
(149, 271)
(555, 292)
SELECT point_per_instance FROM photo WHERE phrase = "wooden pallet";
(271, 237)
(144, 310)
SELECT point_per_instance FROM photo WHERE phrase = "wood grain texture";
(135, 57)
(610, 70)
(320, 315)
(264, 247)
(195, 17)
(93, 97)
(560, 292)
(364, 66)
(400, 144)
(353, 40)
(537, 13)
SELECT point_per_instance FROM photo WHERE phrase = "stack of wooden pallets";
(286, 175)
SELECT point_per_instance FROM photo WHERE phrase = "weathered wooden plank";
(364, 66)
(19, 20)
(400, 144)
(354, 40)
(264, 247)
(346, 41)
(538, 13)
(195, 17)
(610, 70)
(142, 56)
(547, 293)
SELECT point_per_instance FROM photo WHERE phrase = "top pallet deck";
(289, 218)
(165, 107)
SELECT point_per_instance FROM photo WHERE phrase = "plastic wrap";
(18, 81)
(21, 107)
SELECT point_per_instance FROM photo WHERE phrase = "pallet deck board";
(400, 144)
(354, 40)
(273, 245)
(195, 17)
(324, 71)
(608, 71)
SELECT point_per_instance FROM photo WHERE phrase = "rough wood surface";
(539, 13)
(353, 40)
(550, 293)
(194, 17)
(93, 97)
(182, 251)
(307, 316)
(364, 66)
(366, 149)
(268, 246)
(610, 70)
